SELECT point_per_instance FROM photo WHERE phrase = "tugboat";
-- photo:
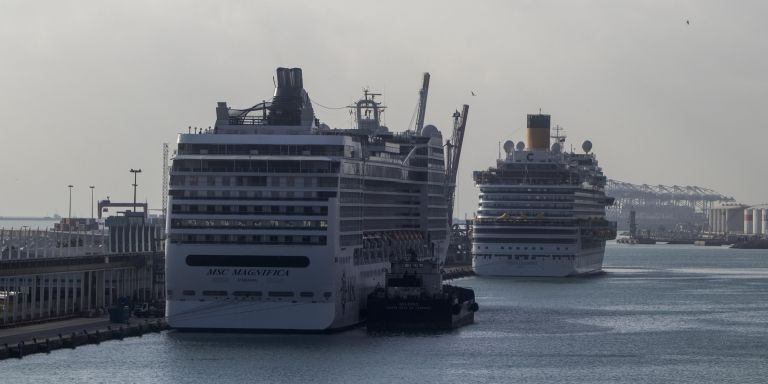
(414, 298)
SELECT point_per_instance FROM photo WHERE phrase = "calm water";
(660, 314)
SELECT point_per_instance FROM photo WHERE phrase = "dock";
(51, 275)
(46, 337)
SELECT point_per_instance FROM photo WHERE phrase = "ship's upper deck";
(543, 167)
(287, 126)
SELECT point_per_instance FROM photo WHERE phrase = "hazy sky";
(89, 90)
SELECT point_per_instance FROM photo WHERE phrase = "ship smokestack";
(287, 104)
(537, 134)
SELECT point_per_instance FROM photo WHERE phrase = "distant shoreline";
(28, 218)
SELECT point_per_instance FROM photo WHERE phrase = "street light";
(135, 174)
(92, 187)
(69, 216)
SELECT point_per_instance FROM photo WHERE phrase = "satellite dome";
(430, 131)
(556, 148)
(587, 146)
(520, 146)
(509, 146)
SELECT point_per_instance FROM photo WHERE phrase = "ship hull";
(324, 296)
(541, 265)
(414, 313)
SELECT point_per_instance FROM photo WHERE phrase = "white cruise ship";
(277, 222)
(541, 210)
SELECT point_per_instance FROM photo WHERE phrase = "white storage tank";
(748, 226)
(765, 221)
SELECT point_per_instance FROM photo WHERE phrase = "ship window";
(247, 261)
(280, 294)
(188, 293)
(307, 294)
(214, 293)
(246, 293)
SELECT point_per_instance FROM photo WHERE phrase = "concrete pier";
(45, 338)
(49, 275)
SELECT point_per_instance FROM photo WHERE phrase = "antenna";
(558, 136)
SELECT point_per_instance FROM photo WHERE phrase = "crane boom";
(422, 103)
(454, 155)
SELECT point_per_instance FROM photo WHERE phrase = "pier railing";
(26, 243)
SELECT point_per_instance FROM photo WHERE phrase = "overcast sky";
(89, 90)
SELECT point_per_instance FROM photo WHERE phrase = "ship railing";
(247, 120)
(523, 181)
(256, 170)
(532, 221)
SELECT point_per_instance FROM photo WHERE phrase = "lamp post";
(135, 174)
(69, 216)
(92, 187)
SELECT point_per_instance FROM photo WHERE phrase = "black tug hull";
(454, 308)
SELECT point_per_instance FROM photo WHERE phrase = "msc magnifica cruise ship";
(541, 210)
(277, 222)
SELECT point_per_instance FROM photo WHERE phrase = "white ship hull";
(539, 265)
(324, 296)
(541, 210)
(278, 223)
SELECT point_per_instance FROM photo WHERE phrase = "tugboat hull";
(454, 308)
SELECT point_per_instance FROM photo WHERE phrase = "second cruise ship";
(541, 210)
(277, 222)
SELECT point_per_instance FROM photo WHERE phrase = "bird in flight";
(473, 93)
(688, 22)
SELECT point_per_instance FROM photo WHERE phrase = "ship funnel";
(290, 100)
(537, 134)
(289, 82)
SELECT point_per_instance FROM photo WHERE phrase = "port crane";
(453, 146)
(453, 155)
